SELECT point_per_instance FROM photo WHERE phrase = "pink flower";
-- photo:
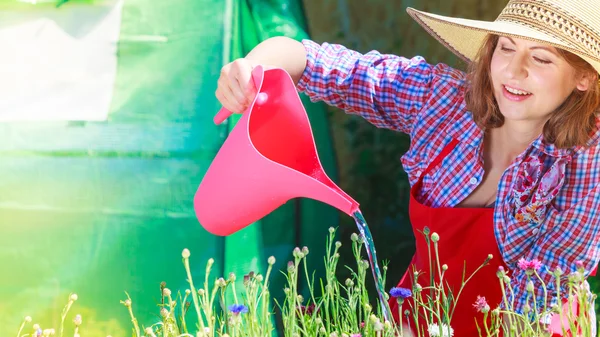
(529, 266)
(579, 264)
(481, 305)
(355, 335)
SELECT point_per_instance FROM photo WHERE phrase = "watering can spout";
(268, 158)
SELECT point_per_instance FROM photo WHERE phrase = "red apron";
(466, 235)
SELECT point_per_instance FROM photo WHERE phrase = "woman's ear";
(586, 80)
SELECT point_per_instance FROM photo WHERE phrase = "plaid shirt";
(547, 205)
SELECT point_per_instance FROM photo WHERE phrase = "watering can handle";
(257, 76)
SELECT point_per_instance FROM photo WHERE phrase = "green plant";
(333, 308)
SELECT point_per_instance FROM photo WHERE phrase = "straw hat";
(572, 25)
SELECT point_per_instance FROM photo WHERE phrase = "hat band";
(543, 16)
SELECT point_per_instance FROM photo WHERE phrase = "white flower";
(434, 330)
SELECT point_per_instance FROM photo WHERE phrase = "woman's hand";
(236, 90)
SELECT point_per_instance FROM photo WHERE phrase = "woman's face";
(531, 80)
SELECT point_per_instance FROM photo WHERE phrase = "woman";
(504, 160)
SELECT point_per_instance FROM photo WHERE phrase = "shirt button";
(418, 173)
(535, 231)
(473, 181)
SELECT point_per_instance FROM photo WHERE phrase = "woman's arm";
(389, 91)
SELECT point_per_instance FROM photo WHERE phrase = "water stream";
(363, 228)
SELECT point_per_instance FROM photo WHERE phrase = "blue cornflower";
(238, 308)
(402, 293)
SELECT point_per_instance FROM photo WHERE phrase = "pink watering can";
(269, 158)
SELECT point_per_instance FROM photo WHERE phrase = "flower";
(403, 293)
(77, 320)
(308, 310)
(579, 265)
(355, 335)
(185, 253)
(481, 305)
(434, 330)
(236, 309)
(529, 266)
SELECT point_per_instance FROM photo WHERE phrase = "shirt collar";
(552, 150)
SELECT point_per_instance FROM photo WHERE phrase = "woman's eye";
(505, 49)
(542, 61)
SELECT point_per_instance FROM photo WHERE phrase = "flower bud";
(305, 250)
(271, 260)
(73, 297)
(529, 286)
(365, 264)
(354, 237)
(331, 230)
(297, 253)
(558, 272)
(185, 253)
(435, 237)
(166, 292)
(338, 244)
(387, 325)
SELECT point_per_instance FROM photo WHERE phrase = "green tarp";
(102, 207)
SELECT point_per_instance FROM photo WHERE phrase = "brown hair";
(570, 125)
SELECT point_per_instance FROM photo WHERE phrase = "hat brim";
(464, 37)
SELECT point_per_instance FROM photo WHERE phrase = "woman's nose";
(517, 67)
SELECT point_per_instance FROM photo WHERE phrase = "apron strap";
(445, 151)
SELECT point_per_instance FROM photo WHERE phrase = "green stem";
(186, 264)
